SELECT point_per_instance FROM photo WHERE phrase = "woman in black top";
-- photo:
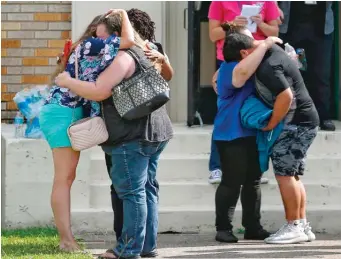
(143, 25)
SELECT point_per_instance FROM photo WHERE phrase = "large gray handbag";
(141, 94)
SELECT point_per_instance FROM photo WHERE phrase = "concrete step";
(201, 219)
(173, 194)
(192, 142)
(197, 140)
(195, 168)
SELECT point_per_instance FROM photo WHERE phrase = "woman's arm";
(166, 68)
(281, 108)
(214, 81)
(268, 21)
(167, 71)
(281, 14)
(122, 67)
(215, 31)
(216, 17)
(127, 32)
(248, 66)
(270, 28)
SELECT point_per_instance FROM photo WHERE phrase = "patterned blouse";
(94, 56)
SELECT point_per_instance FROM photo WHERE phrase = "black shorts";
(290, 149)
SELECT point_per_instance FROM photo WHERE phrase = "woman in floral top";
(63, 107)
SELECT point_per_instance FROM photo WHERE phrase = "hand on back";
(113, 11)
(270, 41)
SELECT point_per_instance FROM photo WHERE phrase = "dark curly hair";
(142, 23)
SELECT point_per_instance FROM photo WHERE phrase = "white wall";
(177, 40)
(83, 12)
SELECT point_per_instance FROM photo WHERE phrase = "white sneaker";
(264, 180)
(215, 176)
(280, 230)
(288, 234)
(309, 232)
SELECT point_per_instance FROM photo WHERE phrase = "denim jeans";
(214, 162)
(133, 176)
(116, 202)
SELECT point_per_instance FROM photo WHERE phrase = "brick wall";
(32, 34)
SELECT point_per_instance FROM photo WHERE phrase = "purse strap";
(136, 58)
(76, 62)
(76, 76)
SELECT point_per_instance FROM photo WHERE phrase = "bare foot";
(108, 255)
(69, 247)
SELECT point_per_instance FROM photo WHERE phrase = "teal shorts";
(54, 121)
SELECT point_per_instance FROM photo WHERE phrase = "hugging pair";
(264, 110)
(133, 146)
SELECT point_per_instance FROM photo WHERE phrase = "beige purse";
(88, 132)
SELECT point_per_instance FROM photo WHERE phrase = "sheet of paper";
(247, 12)
(310, 2)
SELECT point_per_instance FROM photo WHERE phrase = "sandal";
(151, 254)
(111, 251)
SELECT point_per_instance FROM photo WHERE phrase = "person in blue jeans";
(134, 147)
(214, 161)
(143, 24)
(134, 177)
(230, 11)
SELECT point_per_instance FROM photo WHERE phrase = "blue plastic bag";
(33, 129)
(29, 102)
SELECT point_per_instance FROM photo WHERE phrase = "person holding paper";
(310, 25)
(228, 11)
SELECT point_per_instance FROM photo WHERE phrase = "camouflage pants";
(290, 149)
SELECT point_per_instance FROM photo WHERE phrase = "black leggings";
(116, 203)
(240, 170)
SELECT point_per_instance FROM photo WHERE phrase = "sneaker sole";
(264, 181)
(255, 238)
(150, 255)
(289, 241)
(214, 181)
(311, 239)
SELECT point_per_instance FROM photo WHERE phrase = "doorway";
(201, 66)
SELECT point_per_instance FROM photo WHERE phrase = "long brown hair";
(113, 24)
(89, 32)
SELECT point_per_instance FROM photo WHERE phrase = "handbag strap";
(76, 76)
(136, 58)
(76, 62)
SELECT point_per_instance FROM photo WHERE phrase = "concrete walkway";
(204, 246)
